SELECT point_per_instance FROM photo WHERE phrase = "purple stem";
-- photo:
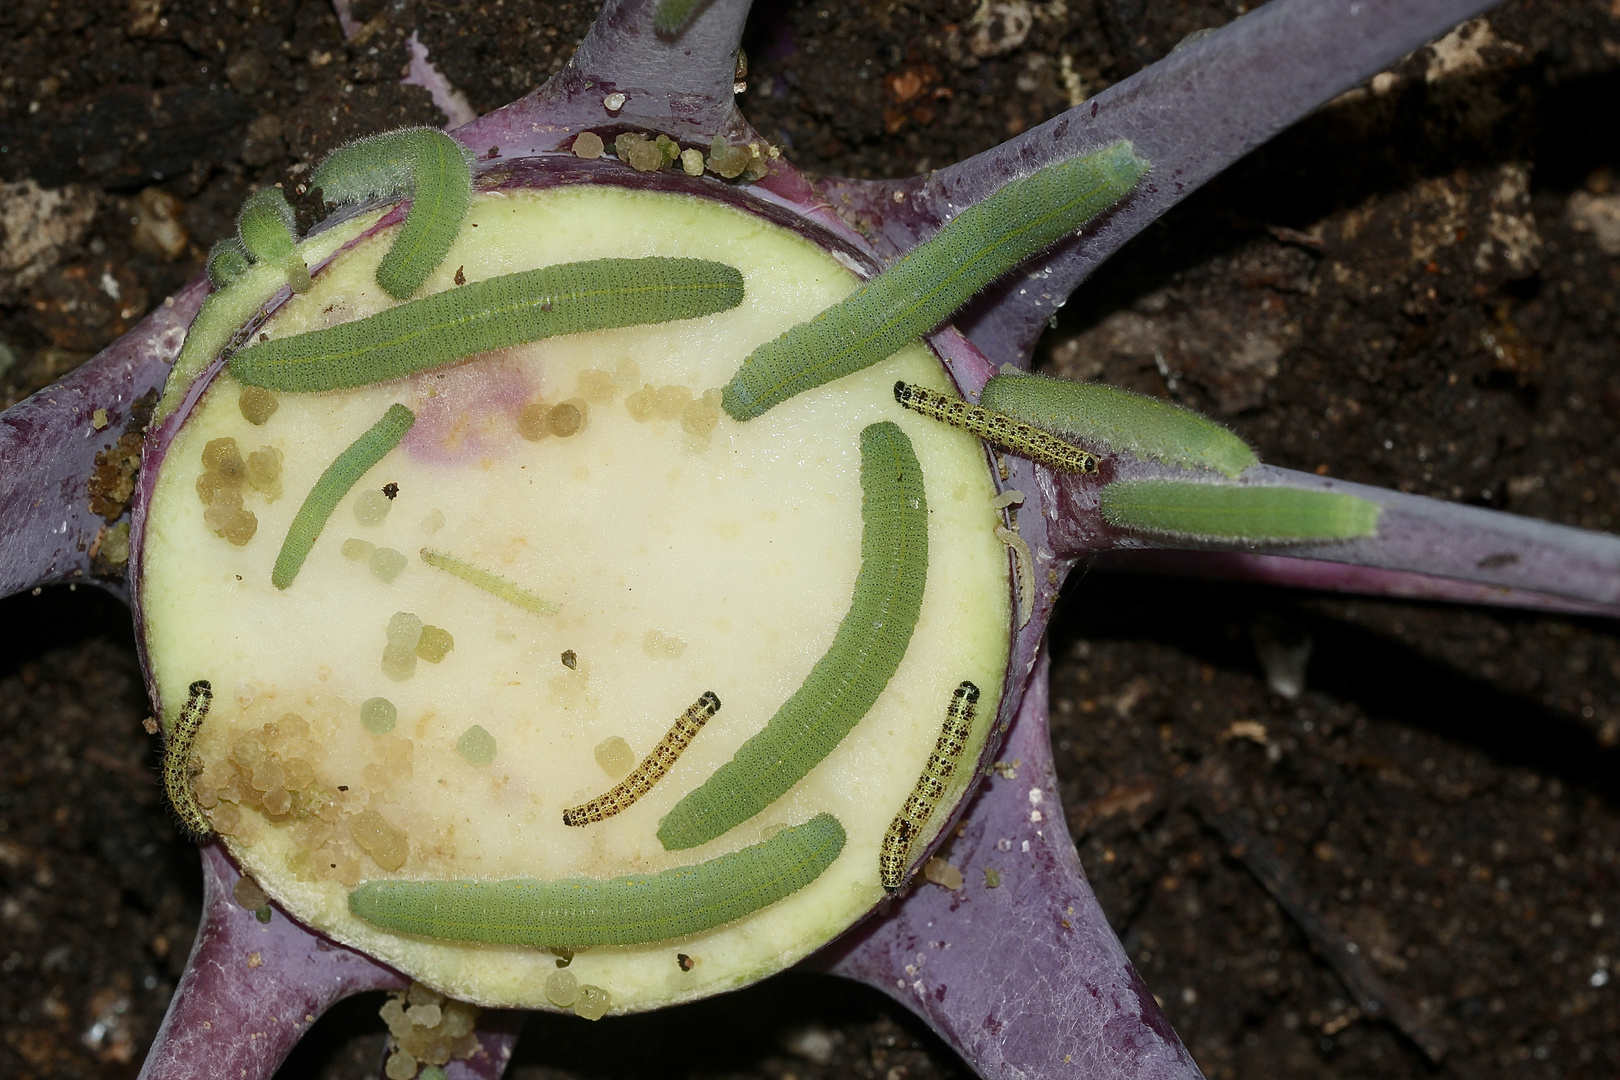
(681, 87)
(1468, 553)
(1192, 114)
(1025, 978)
(251, 990)
(49, 443)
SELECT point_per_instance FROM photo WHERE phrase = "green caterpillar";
(266, 230)
(870, 643)
(489, 581)
(335, 483)
(935, 278)
(631, 910)
(432, 168)
(227, 261)
(1121, 420)
(487, 315)
(1229, 512)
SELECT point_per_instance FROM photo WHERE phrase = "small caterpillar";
(840, 690)
(632, 910)
(227, 260)
(491, 583)
(652, 768)
(178, 771)
(1003, 432)
(1147, 427)
(895, 853)
(1230, 512)
(935, 278)
(496, 313)
(424, 162)
(266, 229)
(335, 482)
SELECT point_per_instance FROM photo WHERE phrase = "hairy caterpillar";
(267, 230)
(935, 278)
(490, 582)
(227, 260)
(496, 313)
(1226, 511)
(426, 163)
(629, 910)
(841, 688)
(1119, 419)
(178, 771)
(895, 853)
(1002, 432)
(335, 482)
(652, 768)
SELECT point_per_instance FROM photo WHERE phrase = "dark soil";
(1394, 292)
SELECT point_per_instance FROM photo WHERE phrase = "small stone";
(98, 419)
(476, 745)
(533, 421)
(371, 507)
(398, 661)
(615, 757)
(356, 549)
(258, 405)
(264, 472)
(239, 528)
(221, 456)
(668, 149)
(562, 988)
(378, 715)
(942, 873)
(459, 1018)
(593, 1002)
(247, 893)
(435, 644)
(642, 404)
(639, 153)
(401, 1066)
(588, 145)
(404, 628)
(567, 418)
(570, 659)
(596, 386)
(386, 564)
(728, 161)
(424, 1015)
(384, 843)
(277, 801)
(614, 102)
(692, 162)
(672, 401)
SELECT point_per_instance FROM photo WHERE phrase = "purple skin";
(1026, 983)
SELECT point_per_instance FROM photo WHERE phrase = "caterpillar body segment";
(626, 792)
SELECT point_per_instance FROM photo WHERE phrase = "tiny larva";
(178, 769)
(997, 429)
(267, 231)
(895, 853)
(840, 689)
(344, 472)
(426, 163)
(489, 581)
(1228, 511)
(496, 313)
(1119, 420)
(624, 794)
(632, 910)
(935, 278)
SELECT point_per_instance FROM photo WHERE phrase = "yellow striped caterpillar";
(652, 768)
(179, 769)
(997, 429)
(895, 854)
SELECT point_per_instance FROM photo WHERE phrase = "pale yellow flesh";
(744, 546)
